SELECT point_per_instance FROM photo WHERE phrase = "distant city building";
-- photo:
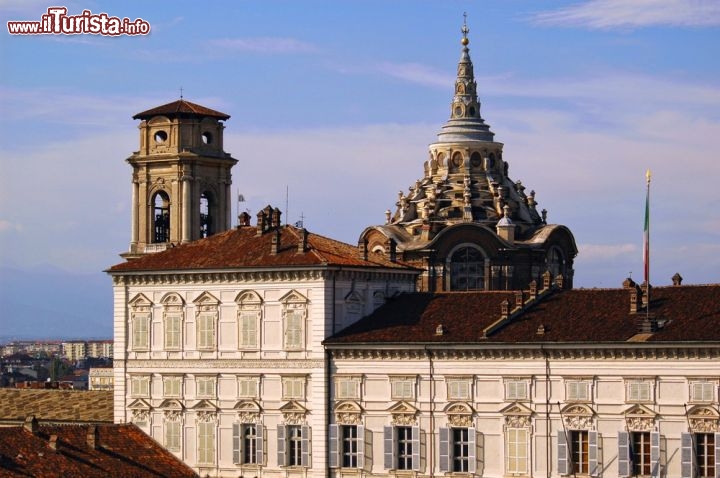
(74, 351)
(100, 378)
(100, 348)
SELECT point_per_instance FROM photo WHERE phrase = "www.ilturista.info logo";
(58, 22)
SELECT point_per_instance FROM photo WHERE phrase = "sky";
(333, 105)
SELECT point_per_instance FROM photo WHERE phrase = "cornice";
(189, 364)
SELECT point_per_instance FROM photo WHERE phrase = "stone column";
(186, 208)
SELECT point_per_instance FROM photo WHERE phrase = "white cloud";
(602, 252)
(265, 45)
(415, 73)
(605, 14)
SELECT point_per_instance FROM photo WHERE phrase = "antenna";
(181, 92)
(287, 208)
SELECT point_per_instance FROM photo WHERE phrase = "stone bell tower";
(181, 177)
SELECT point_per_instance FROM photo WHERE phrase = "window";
(294, 330)
(141, 332)
(347, 388)
(467, 269)
(350, 446)
(402, 448)
(172, 435)
(457, 449)
(516, 390)
(248, 325)
(702, 392)
(161, 214)
(639, 454)
(639, 391)
(293, 445)
(173, 332)
(247, 444)
(577, 391)
(402, 388)
(205, 387)
(206, 332)
(577, 452)
(699, 455)
(458, 389)
(172, 387)
(293, 388)
(516, 450)
(206, 442)
(248, 387)
(140, 387)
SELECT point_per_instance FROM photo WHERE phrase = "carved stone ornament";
(578, 417)
(639, 424)
(205, 416)
(293, 418)
(140, 415)
(704, 420)
(517, 421)
(173, 415)
(403, 419)
(350, 418)
(248, 417)
(459, 415)
(460, 420)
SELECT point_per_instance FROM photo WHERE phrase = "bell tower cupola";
(181, 177)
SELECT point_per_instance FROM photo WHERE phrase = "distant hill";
(50, 303)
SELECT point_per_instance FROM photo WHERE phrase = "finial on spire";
(465, 30)
(181, 92)
(648, 176)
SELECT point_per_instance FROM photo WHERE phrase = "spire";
(465, 122)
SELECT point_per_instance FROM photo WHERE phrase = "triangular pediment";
(355, 297)
(248, 406)
(402, 407)
(640, 410)
(293, 296)
(516, 408)
(458, 408)
(171, 404)
(205, 405)
(140, 300)
(206, 298)
(140, 404)
(577, 409)
(348, 406)
(293, 407)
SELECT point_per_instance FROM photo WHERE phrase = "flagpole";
(646, 243)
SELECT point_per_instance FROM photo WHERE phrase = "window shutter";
(281, 445)
(562, 453)
(593, 453)
(236, 442)
(717, 455)
(472, 450)
(416, 448)
(389, 447)
(444, 449)
(259, 444)
(361, 446)
(623, 454)
(305, 446)
(655, 455)
(334, 446)
(687, 454)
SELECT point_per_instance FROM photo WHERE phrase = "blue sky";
(337, 102)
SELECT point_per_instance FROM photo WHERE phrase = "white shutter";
(444, 449)
(593, 453)
(472, 451)
(562, 453)
(334, 457)
(687, 455)
(389, 447)
(717, 455)
(236, 442)
(361, 446)
(305, 450)
(416, 448)
(281, 445)
(655, 455)
(623, 454)
(259, 444)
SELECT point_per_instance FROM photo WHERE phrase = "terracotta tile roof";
(243, 248)
(685, 313)
(77, 406)
(120, 451)
(181, 107)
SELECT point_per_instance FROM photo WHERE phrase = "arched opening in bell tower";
(161, 217)
(207, 206)
(467, 268)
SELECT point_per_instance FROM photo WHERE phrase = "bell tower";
(181, 177)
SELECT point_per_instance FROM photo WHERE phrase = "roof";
(181, 107)
(119, 451)
(244, 248)
(49, 405)
(683, 314)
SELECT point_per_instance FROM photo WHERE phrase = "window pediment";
(206, 299)
(294, 297)
(639, 410)
(516, 408)
(140, 303)
(704, 419)
(248, 297)
(348, 412)
(172, 299)
(172, 404)
(640, 418)
(354, 297)
(140, 404)
(517, 415)
(403, 413)
(578, 416)
(248, 411)
(459, 414)
(204, 405)
(293, 406)
(293, 413)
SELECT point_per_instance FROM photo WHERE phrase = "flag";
(646, 240)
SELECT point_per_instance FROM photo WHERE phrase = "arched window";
(206, 216)
(161, 217)
(467, 269)
(555, 261)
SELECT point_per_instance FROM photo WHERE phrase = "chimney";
(363, 248)
(677, 279)
(635, 295)
(645, 293)
(628, 283)
(275, 245)
(53, 442)
(518, 299)
(547, 280)
(390, 249)
(533, 290)
(276, 218)
(93, 437)
(261, 223)
(504, 306)
(302, 244)
(31, 424)
(243, 219)
(560, 281)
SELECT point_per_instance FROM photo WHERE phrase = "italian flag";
(646, 241)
